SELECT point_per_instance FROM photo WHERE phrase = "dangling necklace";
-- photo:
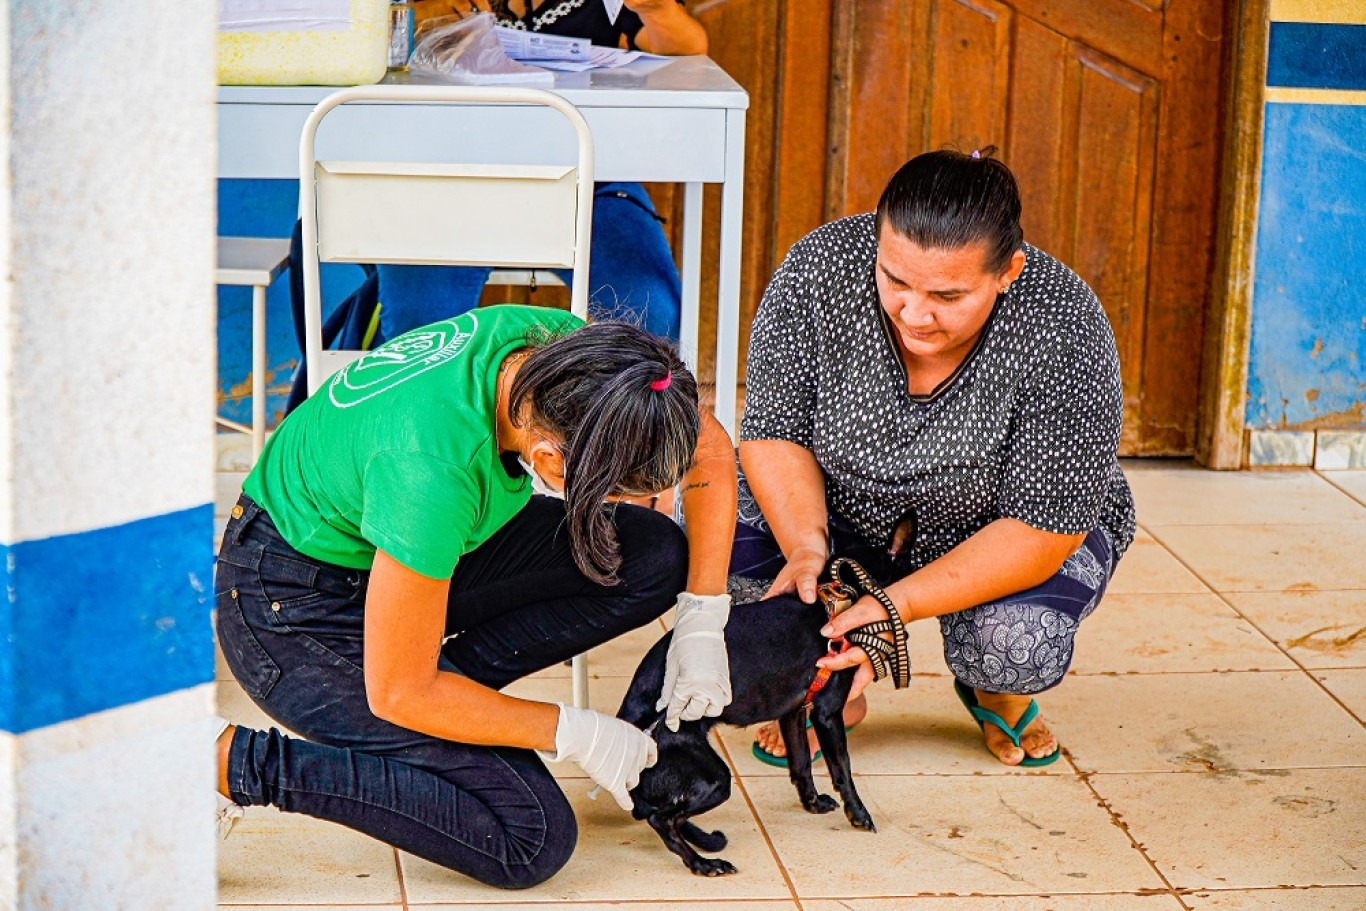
(502, 11)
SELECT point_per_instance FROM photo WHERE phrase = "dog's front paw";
(823, 803)
(711, 866)
(858, 817)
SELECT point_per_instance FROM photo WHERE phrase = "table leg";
(691, 273)
(258, 370)
(579, 670)
(728, 273)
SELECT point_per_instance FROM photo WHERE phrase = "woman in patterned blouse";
(924, 361)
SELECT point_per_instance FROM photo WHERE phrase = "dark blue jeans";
(631, 271)
(291, 630)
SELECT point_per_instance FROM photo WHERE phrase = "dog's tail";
(711, 842)
(638, 706)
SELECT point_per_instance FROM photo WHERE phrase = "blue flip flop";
(768, 758)
(986, 716)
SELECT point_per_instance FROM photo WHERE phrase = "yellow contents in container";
(302, 42)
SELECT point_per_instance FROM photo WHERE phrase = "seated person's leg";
(412, 296)
(632, 274)
(518, 602)
(755, 557)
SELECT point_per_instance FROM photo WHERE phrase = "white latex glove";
(612, 752)
(697, 671)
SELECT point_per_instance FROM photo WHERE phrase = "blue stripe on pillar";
(105, 618)
(264, 208)
(1316, 55)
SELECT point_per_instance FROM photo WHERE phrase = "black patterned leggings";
(1021, 644)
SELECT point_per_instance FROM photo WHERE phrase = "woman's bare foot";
(224, 743)
(770, 739)
(1038, 741)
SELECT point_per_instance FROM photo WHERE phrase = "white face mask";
(538, 484)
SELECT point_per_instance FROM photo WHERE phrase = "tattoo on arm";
(695, 486)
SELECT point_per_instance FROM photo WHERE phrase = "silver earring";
(1005, 288)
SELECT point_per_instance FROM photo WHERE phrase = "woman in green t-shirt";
(387, 570)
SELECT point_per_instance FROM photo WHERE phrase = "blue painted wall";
(1316, 55)
(1309, 291)
(1309, 294)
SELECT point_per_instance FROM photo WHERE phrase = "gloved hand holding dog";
(611, 752)
(697, 671)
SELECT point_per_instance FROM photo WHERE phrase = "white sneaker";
(228, 812)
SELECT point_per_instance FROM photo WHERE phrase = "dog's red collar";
(822, 675)
(821, 679)
(836, 598)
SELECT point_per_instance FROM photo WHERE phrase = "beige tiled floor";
(1214, 755)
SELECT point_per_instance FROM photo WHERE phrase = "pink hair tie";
(661, 385)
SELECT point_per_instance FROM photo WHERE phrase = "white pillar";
(106, 453)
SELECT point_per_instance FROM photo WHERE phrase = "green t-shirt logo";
(398, 361)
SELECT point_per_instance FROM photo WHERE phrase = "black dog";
(773, 646)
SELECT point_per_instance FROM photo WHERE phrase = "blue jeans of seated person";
(631, 273)
(291, 630)
(1021, 644)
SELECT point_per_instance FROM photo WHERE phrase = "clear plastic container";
(302, 42)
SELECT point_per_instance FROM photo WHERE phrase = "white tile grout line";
(1116, 821)
(1231, 606)
(402, 886)
(1327, 476)
(1279, 890)
(758, 820)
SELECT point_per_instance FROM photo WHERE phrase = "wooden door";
(1108, 111)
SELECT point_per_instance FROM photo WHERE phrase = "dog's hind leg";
(793, 728)
(827, 718)
(708, 790)
(689, 779)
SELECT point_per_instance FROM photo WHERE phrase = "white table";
(680, 122)
(253, 262)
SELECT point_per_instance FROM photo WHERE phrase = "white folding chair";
(439, 213)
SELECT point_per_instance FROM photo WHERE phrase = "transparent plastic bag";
(456, 49)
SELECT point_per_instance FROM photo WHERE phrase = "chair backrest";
(438, 213)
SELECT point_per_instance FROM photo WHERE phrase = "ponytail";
(625, 406)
